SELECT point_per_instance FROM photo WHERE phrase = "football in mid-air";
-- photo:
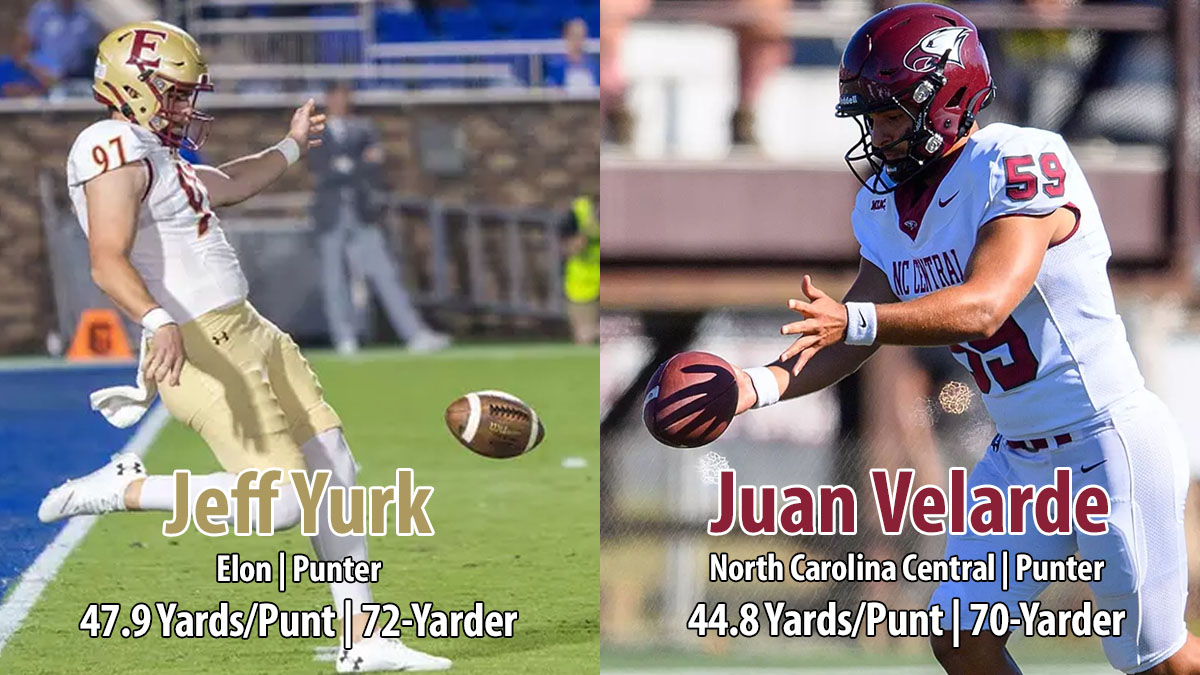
(690, 400)
(494, 424)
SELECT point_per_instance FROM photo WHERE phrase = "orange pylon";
(99, 336)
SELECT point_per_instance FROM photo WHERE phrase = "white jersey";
(1062, 357)
(179, 250)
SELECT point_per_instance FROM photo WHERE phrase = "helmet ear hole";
(956, 100)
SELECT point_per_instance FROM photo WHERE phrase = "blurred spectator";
(347, 171)
(1112, 84)
(20, 74)
(575, 70)
(762, 50)
(581, 279)
(615, 16)
(64, 37)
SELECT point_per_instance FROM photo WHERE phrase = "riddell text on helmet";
(986, 509)
(251, 505)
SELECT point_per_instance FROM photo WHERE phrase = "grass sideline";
(520, 534)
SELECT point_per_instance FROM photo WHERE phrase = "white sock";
(158, 493)
(328, 450)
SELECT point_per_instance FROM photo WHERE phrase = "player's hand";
(306, 127)
(166, 355)
(824, 324)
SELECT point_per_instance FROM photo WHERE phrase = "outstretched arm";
(834, 362)
(242, 178)
(999, 275)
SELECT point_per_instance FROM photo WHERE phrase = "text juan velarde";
(986, 509)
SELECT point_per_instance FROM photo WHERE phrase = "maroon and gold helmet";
(923, 59)
(140, 66)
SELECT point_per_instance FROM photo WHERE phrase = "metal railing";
(316, 48)
(458, 261)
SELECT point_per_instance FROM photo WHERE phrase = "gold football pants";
(247, 390)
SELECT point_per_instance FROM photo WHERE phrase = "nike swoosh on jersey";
(862, 320)
(947, 201)
(1085, 469)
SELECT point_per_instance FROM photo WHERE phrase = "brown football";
(690, 400)
(494, 424)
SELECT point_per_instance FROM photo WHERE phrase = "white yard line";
(25, 594)
(32, 363)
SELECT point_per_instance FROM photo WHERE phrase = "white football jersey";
(180, 249)
(1062, 356)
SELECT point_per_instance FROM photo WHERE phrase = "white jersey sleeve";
(104, 146)
(1028, 176)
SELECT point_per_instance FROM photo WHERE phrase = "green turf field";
(518, 534)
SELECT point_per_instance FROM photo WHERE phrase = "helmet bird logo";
(929, 50)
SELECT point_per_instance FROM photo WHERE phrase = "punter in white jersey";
(158, 251)
(989, 241)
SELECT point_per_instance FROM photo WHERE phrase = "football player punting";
(989, 241)
(158, 250)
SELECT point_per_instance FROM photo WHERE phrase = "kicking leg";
(317, 430)
(122, 485)
(328, 450)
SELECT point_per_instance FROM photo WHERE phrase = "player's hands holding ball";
(167, 356)
(306, 128)
(824, 324)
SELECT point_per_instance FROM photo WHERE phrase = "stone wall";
(535, 155)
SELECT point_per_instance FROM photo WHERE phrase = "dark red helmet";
(926, 60)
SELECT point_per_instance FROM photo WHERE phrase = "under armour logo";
(136, 468)
(220, 337)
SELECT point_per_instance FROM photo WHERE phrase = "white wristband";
(861, 324)
(155, 319)
(765, 385)
(289, 148)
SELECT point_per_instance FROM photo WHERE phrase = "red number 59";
(1023, 182)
